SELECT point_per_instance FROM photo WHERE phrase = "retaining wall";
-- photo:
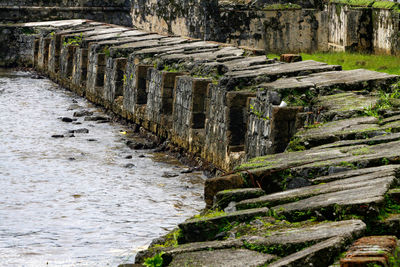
(313, 27)
(110, 11)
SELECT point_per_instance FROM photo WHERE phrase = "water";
(76, 201)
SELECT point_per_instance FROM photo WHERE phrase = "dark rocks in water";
(57, 136)
(66, 119)
(103, 121)
(143, 144)
(189, 170)
(71, 135)
(96, 118)
(77, 122)
(37, 76)
(81, 130)
(169, 174)
(297, 182)
(92, 140)
(141, 156)
(71, 159)
(128, 157)
(83, 113)
(74, 101)
(129, 166)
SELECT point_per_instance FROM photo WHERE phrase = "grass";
(349, 61)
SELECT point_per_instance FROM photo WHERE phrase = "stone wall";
(181, 17)
(314, 27)
(385, 29)
(110, 11)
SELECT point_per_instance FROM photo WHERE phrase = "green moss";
(295, 144)
(171, 239)
(281, 6)
(361, 151)
(278, 249)
(210, 214)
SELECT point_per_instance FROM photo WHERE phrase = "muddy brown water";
(79, 201)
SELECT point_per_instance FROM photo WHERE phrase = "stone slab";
(375, 178)
(222, 258)
(345, 80)
(223, 198)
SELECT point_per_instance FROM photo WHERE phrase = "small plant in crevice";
(258, 113)
(155, 261)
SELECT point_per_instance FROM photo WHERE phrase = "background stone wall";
(110, 11)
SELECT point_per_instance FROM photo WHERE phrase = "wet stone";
(83, 113)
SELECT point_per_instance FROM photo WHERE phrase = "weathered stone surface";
(225, 257)
(372, 250)
(377, 177)
(223, 198)
(320, 254)
(205, 228)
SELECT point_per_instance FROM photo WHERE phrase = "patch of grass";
(387, 5)
(359, 3)
(350, 61)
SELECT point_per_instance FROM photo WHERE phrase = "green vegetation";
(210, 214)
(296, 144)
(387, 5)
(171, 239)
(386, 101)
(28, 31)
(258, 113)
(106, 50)
(75, 40)
(358, 3)
(281, 6)
(156, 261)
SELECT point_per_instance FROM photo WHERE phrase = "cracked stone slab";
(345, 80)
(388, 137)
(222, 258)
(290, 69)
(363, 201)
(377, 177)
(320, 254)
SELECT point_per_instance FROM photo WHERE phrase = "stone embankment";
(315, 148)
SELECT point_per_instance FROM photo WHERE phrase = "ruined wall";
(350, 29)
(385, 25)
(110, 11)
(181, 17)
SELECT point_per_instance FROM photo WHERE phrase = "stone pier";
(309, 151)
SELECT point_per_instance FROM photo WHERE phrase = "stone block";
(289, 58)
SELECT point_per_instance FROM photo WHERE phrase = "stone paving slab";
(345, 80)
(363, 201)
(290, 69)
(357, 181)
(222, 258)
(320, 254)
